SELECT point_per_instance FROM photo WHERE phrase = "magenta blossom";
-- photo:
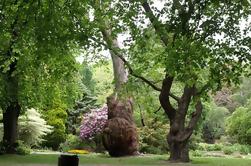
(93, 122)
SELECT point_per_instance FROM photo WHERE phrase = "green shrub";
(152, 137)
(244, 150)
(196, 153)
(228, 150)
(239, 124)
(22, 148)
(209, 147)
(213, 126)
(56, 117)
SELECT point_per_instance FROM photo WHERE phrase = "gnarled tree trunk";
(120, 134)
(179, 134)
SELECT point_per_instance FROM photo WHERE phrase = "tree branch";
(158, 26)
(195, 116)
(164, 98)
(203, 89)
(157, 110)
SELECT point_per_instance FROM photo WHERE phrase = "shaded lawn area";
(102, 160)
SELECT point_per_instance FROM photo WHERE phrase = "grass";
(94, 160)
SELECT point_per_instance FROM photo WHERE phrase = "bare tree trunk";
(120, 74)
(119, 71)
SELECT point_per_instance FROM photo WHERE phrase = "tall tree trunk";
(120, 74)
(11, 113)
(10, 119)
(119, 71)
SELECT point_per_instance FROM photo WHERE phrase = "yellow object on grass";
(76, 151)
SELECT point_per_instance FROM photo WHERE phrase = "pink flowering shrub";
(93, 122)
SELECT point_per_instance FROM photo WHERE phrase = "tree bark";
(120, 136)
(179, 151)
(119, 71)
(179, 134)
(10, 119)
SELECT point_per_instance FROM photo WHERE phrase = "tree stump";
(120, 136)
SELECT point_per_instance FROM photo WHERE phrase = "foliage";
(20, 148)
(209, 147)
(75, 114)
(23, 149)
(213, 126)
(224, 98)
(56, 117)
(38, 44)
(228, 150)
(32, 127)
(196, 153)
(239, 124)
(1, 125)
(86, 72)
(152, 136)
(93, 122)
(103, 76)
(180, 45)
(242, 93)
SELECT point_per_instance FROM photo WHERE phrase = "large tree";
(195, 42)
(37, 62)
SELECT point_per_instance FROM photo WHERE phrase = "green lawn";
(94, 160)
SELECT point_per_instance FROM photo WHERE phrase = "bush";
(228, 150)
(31, 128)
(152, 137)
(209, 147)
(94, 123)
(239, 124)
(244, 150)
(56, 117)
(213, 127)
(22, 148)
(196, 153)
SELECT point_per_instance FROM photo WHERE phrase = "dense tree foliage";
(37, 57)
